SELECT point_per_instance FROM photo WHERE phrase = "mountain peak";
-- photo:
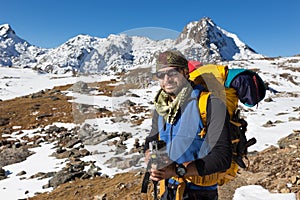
(210, 43)
(197, 30)
(6, 29)
(14, 50)
(206, 20)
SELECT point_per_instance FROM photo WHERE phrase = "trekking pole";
(153, 159)
(155, 196)
(145, 182)
(145, 185)
(154, 148)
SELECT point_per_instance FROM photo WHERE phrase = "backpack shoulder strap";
(202, 108)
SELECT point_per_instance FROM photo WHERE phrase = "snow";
(257, 192)
(17, 82)
(14, 188)
(4, 28)
(20, 82)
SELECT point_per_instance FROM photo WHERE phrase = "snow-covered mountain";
(15, 51)
(202, 40)
(205, 41)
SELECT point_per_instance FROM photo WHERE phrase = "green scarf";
(168, 108)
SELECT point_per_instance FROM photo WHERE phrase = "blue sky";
(269, 27)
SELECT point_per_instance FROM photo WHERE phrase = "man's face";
(172, 79)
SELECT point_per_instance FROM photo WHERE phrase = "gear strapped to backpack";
(231, 86)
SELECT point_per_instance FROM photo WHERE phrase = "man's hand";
(163, 173)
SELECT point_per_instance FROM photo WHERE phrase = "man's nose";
(166, 77)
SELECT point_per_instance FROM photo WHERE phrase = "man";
(190, 172)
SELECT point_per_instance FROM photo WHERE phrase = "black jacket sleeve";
(218, 137)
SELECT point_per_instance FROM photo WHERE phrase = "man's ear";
(186, 73)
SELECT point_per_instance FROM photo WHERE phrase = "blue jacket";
(182, 140)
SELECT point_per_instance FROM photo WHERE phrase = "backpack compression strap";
(202, 108)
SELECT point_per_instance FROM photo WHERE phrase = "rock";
(281, 185)
(13, 155)
(54, 98)
(2, 174)
(136, 143)
(56, 129)
(269, 124)
(285, 190)
(37, 175)
(73, 142)
(118, 119)
(80, 87)
(43, 116)
(63, 154)
(293, 146)
(291, 140)
(100, 197)
(128, 103)
(294, 119)
(4, 121)
(21, 173)
(63, 177)
(84, 152)
(268, 99)
(94, 170)
(121, 186)
(119, 93)
(294, 179)
(38, 94)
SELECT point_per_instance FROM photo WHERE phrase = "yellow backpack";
(217, 80)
